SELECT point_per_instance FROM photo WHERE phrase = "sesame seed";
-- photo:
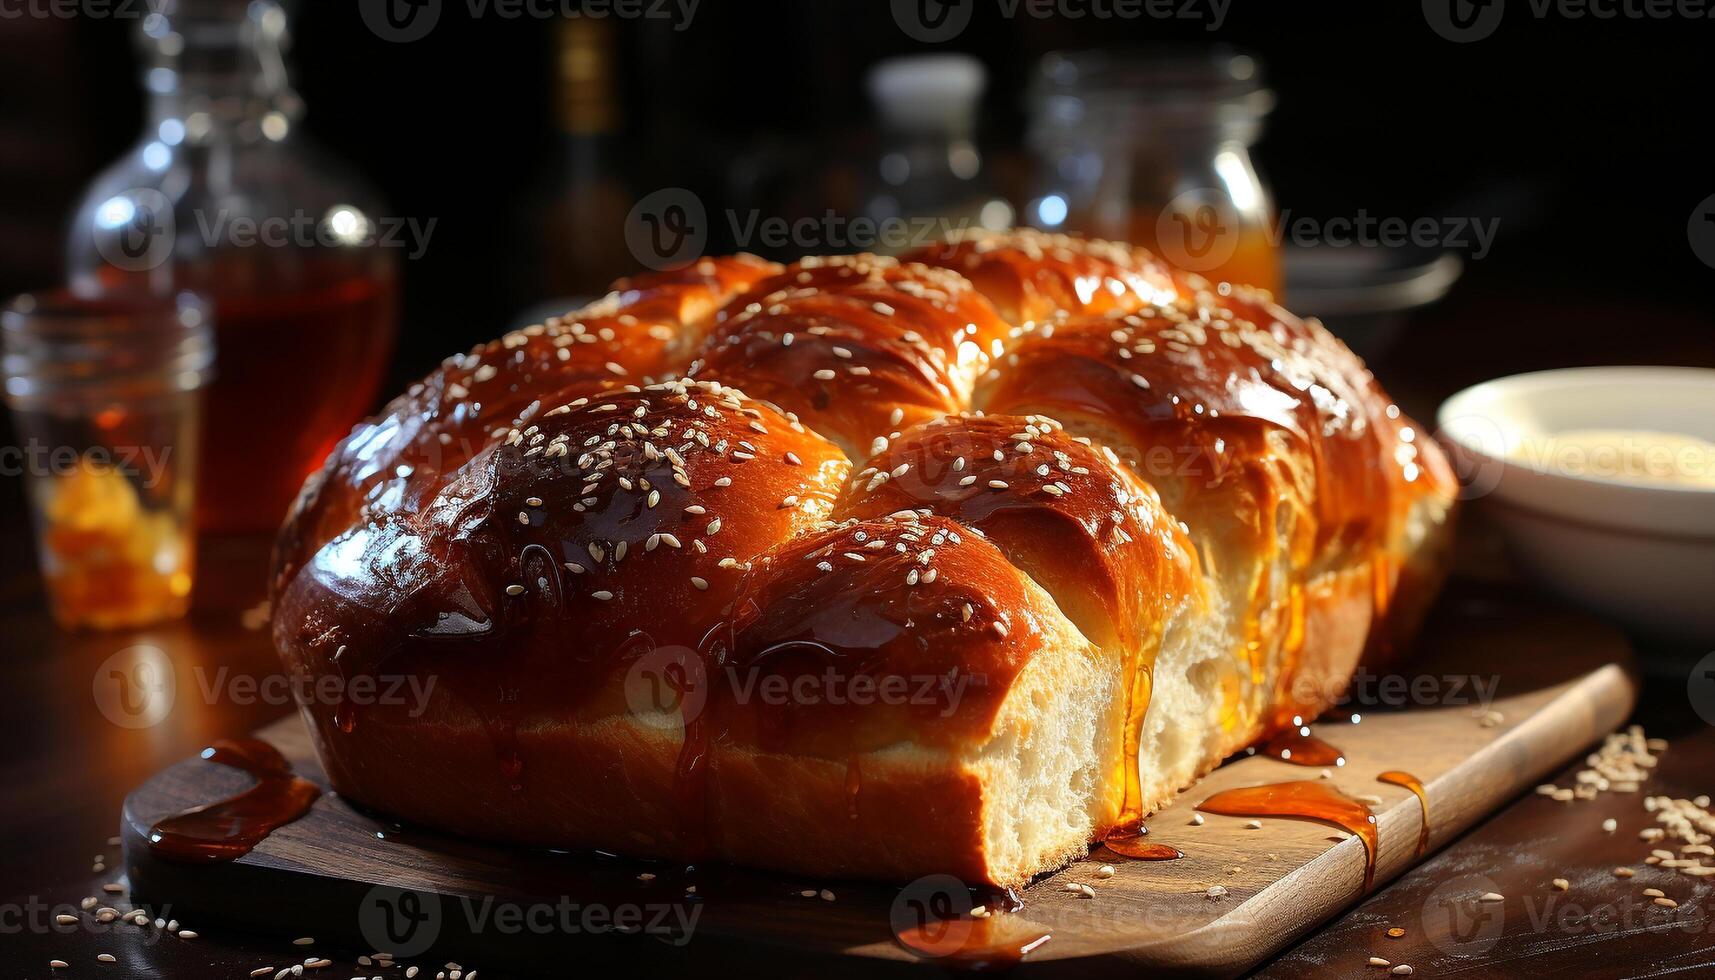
(967, 481)
(1561, 884)
(702, 584)
(604, 595)
(515, 589)
(997, 484)
(107, 958)
(1378, 961)
(825, 374)
(793, 459)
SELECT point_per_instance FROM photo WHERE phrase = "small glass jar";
(105, 400)
(1151, 146)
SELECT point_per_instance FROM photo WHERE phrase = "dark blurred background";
(1586, 137)
(1581, 138)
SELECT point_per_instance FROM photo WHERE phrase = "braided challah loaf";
(857, 566)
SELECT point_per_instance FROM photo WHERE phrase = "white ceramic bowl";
(1642, 552)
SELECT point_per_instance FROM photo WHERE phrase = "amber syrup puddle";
(1297, 746)
(1304, 799)
(1412, 783)
(1134, 844)
(997, 941)
(229, 829)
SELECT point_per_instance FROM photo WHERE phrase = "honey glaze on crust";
(855, 345)
(636, 334)
(1066, 512)
(923, 611)
(1032, 275)
(617, 526)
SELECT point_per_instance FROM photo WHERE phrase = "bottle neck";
(215, 71)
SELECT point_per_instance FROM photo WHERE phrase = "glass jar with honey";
(1152, 146)
(105, 396)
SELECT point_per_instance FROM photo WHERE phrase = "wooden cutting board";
(1555, 681)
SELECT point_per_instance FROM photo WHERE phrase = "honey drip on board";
(1412, 783)
(1138, 849)
(1297, 746)
(994, 942)
(1305, 799)
(231, 828)
(1137, 706)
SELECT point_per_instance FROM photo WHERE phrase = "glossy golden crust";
(1031, 276)
(1063, 510)
(1181, 519)
(634, 335)
(921, 605)
(855, 346)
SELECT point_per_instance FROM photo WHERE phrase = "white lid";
(931, 91)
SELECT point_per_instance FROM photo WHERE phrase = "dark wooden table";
(67, 766)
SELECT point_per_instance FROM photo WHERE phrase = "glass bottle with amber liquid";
(223, 196)
(581, 224)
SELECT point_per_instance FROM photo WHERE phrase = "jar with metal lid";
(1151, 146)
(105, 399)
